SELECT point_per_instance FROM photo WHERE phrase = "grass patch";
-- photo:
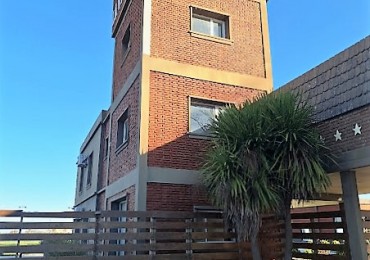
(22, 243)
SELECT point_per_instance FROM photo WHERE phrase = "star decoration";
(357, 129)
(338, 136)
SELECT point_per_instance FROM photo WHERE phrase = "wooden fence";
(366, 225)
(166, 235)
(128, 235)
(320, 235)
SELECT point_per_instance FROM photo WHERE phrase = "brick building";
(176, 63)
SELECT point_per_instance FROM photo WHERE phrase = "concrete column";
(353, 216)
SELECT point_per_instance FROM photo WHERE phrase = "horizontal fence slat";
(366, 224)
(365, 213)
(46, 248)
(124, 257)
(337, 236)
(318, 256)
(214, 246)
(128, 224)
(203, 235)
(47, 225)
(124, 247)
(334, 247)
(218, 256)
(318, 225)
(315, 215)
(53, 258)
(47, 236)
(65, 214)
(127, 235)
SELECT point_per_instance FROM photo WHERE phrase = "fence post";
(96, 234)
(315, 241)
(188, 238)
(152, 238)
(19, 254)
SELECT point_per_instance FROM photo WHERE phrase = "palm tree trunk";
(288, 231)
(256, 254)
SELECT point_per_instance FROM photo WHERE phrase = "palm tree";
(236, 171)
(297, 154)
(264, 153)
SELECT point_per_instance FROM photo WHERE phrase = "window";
(81, 184)
(210, 23)
(106, 147)
(212, 232)
(202, 112)
(89, 169)
(126, 43)
(123, 130)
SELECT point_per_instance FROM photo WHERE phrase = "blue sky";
(56, 72)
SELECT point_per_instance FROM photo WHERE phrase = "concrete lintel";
(122, 183)
(357, 158)
(173, 176)
(353, 215)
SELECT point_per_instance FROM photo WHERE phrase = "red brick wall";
(124, 161)
(175, 197)
(123, 67)
(169, 144)
(345, 123)
(171, 38)
(129, 193)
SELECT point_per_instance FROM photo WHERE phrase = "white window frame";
(213, 17)
(211, 21)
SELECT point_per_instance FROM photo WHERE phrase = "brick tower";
(176, 63)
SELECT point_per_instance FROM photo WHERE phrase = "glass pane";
(201, 25)
(218, 29)
(200, 118)
(125, 131)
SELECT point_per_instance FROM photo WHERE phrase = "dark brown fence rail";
(128, 235)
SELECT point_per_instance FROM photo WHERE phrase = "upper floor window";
(89, 169)
(202, 112)
(209, 23)
(126, 44)
(122, 130)
(106, 147)
(81, 182)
